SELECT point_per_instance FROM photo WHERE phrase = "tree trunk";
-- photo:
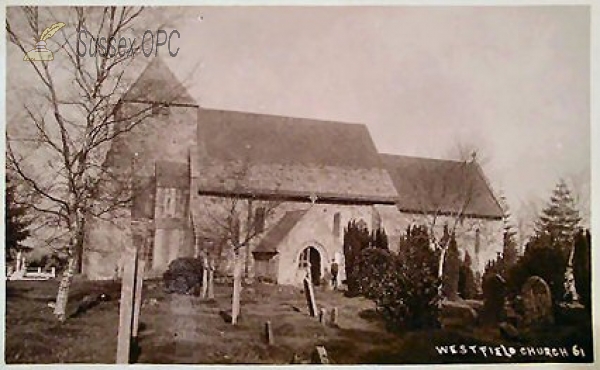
(248, 261)
(211, 280)
(441, 276)
(441, 264)
(79, 258)
(205, 273)
(60, 310)
(237, 290)
(249, 231)
(75, 245)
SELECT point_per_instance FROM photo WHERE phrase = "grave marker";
(139, 282)
(126, 305)
(494, 292)
(204, 278)
(310, 297)
(537, 302)
(211, 281)
(323, 316)
(320, 356)
(269, 333)
(334, 316)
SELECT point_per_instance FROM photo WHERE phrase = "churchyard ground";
(34, 336)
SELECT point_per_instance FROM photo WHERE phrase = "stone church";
(287, 185)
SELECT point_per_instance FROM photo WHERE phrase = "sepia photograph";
(273, 185)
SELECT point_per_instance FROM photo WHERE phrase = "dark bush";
(582, 268)
(543, 259)
(404, 286)
(372, 266)
(183, 275)
(409, 299)
(451, 273)
(356, 239)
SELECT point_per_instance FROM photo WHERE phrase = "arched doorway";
(310, 256)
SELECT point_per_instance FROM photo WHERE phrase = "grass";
(186, 329)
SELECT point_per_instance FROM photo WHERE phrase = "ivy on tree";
(582, 267)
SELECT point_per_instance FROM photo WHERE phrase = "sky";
(513, 82)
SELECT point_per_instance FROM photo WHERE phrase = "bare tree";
(239, 218)
(444, 194)
(235, 221)
(72, 117)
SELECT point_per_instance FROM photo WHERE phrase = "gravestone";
(204, 277)
(323, 316)
(310, 296)
(334, 316)
(269, 334)
(537, 302)
(211, 281)
(455, 314)
(139, 282)
(126, 305)
(319, 356)
(494, 293)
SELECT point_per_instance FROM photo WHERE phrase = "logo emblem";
(40, 53)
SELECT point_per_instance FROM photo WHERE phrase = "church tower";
(154, 155)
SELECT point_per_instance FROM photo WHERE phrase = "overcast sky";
(512, 81)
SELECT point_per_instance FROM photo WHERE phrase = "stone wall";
(321, 227)
(490, 233)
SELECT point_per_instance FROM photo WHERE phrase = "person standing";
(334, 273)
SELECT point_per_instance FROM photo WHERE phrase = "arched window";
(169, 205)
(336, 224)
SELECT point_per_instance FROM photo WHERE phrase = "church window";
(336, 224)
(304, 256)
(169, 202)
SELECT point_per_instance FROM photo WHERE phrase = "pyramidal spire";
(158, 84)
